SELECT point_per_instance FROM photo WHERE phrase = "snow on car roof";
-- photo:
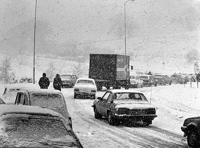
(124, 91)
(38, 90)
(85, 79)
(23, 109)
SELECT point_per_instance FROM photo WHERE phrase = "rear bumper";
(135, 117)
(85, 93)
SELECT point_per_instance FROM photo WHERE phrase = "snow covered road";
(163, 133)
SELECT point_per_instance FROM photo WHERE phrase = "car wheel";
(75, 95)
(96, 114)
(111, 121)
(192, 139)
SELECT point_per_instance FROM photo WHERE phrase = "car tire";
(111, 121)
(96, 114)
(75, 95)
(192, 139)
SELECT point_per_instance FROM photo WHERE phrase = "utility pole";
(34, 42)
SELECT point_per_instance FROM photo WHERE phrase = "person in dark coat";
(57, 82)
(44, 82)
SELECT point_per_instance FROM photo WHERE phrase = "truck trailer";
(110, 70)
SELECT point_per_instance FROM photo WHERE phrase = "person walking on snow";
(57, 82)
(44, 82)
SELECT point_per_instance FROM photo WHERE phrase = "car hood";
(89, 86)
(132, 105)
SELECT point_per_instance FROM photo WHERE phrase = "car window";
(85, 82)
(35, 128)
(105, 97)
(110, 98)
(130, 96)
(25, 100)
(47, 100)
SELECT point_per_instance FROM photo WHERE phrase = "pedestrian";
(57, 82)
(44, 82)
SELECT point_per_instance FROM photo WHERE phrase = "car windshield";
(63, 77)
(85, 82)
(34, 128)
(130, 96)
(46, 100)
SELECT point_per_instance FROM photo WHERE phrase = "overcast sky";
(101, 19)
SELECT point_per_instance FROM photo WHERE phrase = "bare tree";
(6, 73)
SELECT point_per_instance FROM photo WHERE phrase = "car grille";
(141, 111)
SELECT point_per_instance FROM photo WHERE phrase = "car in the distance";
(148, 80)
(45, 98)
(191, 129)
(135, 82)
(33, 126)
(124, 105)
(85, 87)
(68, 80)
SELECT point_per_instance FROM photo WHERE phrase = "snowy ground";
(173, 103)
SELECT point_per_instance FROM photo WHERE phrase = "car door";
(100, 103)
(106, 103)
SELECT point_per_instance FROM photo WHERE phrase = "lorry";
(110, 70)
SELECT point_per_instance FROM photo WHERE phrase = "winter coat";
(44, 83)
(57, 83)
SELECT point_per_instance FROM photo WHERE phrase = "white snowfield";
(173, 104)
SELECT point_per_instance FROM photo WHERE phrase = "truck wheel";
(192, 139)
(96, 114)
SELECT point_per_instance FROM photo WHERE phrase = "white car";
(85, 87)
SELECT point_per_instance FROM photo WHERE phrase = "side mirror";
(99, 98)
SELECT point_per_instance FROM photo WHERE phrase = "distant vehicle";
(191, 129)
(46, 98)
(177, 79)
(33, 126)
(135, 82)
(68, 80)
(26, 80)
(148, 80)
(10, 91)
(110, 70)
(85, 87)
(124, 105)
(162, 79)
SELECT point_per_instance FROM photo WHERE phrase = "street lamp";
(125, 40)
(34, 43)
(125, 24)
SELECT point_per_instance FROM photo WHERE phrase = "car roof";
(124, 91)
(85, 79)
(23, 109)
(38, 90)
(21, 85)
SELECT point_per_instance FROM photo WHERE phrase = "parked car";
(68, 80)
(85, 87)
(148, 80)
(10, 91)
(162, 79)
(33, 126)
(46, 98)
(124, 105)
(191, 129)
(26, 80)
(135, 82)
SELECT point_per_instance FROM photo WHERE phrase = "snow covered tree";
(6, 73)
